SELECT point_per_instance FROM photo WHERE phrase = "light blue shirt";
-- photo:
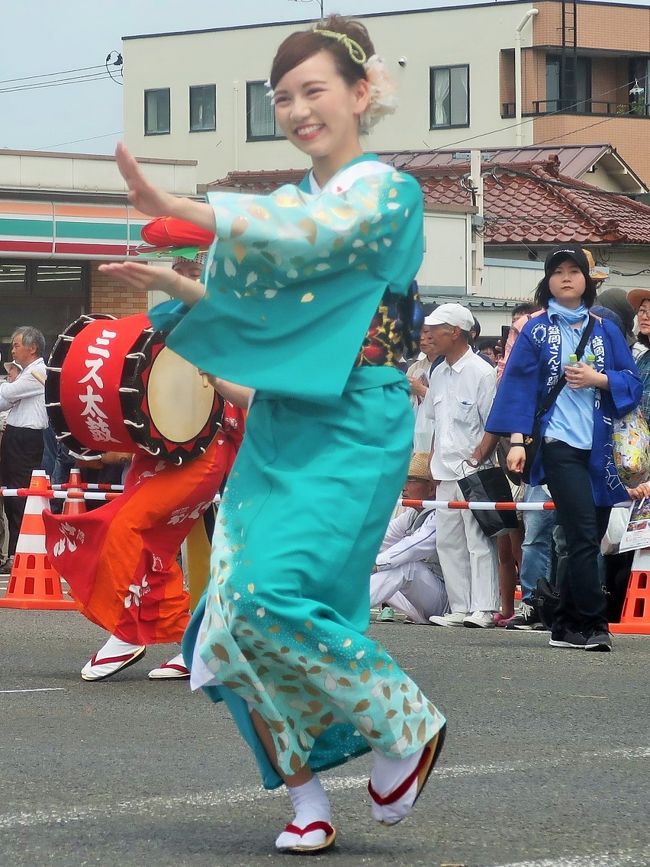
(572, 419)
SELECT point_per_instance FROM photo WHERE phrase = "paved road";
(547, 763)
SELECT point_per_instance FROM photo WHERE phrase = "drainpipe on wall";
(477, 245)
(235, 124)
(518, 130)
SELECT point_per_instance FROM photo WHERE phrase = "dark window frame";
(167, 131)
(249, 136)
(195, 87)
(432, 102)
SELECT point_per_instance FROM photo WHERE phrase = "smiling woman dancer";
(305, 289)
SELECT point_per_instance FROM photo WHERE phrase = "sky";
(41, 37)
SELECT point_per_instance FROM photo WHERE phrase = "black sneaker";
(526, 618)
(599, 640)
(565, 637)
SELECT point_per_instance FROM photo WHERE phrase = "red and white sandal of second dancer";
(175, 669)
(114, 656)
(402, 781)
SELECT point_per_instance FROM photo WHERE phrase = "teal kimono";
(293, 282)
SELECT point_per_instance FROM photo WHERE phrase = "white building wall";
(229, 58)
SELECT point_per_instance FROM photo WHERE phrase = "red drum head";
(113, 386)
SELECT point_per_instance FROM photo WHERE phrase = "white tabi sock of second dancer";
(312, 807)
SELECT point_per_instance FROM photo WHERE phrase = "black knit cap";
(566, 251)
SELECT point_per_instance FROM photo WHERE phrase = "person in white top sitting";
(22, 441)
(460, 395)
(407, 576)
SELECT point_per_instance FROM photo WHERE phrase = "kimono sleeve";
(625, 386)
(291, 236)
(515, 402)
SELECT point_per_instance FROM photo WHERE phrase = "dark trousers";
(582, 600)
(20, 453)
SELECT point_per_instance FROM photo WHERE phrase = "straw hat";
(636, 297)
(595, 271)
(9, 364)
(419, 467)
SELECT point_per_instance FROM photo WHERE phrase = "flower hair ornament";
(383, 90)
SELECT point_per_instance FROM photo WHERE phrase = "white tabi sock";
(310, 804)
(386, 776)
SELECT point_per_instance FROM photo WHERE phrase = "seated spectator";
(407, 576)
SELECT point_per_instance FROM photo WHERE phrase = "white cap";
(451, 314)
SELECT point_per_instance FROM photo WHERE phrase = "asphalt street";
(547, 761)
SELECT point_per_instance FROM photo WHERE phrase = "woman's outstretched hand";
(142, 195)
(139, 276)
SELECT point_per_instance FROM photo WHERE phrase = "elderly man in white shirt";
(407, 575)
(22, 441)
(461, 391)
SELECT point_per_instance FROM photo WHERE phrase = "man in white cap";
(461, 391)
(407, 574)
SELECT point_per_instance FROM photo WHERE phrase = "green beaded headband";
(356, 52)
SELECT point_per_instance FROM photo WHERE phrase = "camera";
(402, 61)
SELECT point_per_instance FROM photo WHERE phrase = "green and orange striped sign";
(59, 229)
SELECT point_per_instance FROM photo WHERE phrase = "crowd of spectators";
(475, 400)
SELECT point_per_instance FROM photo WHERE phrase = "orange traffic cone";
(34, 583)
(635, 619)
(74, 505)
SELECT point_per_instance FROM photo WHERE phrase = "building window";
(47, 295)
(260, 115)
(203, 107)
(449, 96)
(156, 112)
(566, 89)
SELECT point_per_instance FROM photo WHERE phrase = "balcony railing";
(587, 106)
(590, 106)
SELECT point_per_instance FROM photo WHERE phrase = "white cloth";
(468, 558)
(408, 575)
(423, 431)
(25, 397)
(458, 402)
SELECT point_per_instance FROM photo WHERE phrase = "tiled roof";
(573, 160)
(524, 203)
(535, 204)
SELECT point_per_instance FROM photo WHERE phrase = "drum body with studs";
(113, 385)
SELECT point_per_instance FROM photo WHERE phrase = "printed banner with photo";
(637, 534)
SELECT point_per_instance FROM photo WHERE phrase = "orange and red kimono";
(121, 560)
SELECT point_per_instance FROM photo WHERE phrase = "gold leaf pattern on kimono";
(347, 642)
(327, 719)
(360, 706)
(295, 763)
(239, 226)
(310, 229)
(220, 652)
(240, 252)
(406, 733)
(343, 681)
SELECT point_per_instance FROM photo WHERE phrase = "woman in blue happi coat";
(575, 458)
(303, 302)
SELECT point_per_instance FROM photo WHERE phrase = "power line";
(79, 140)
(563, 110)
(50, 74)
(73, 80)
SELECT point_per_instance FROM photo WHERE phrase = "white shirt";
(403, 544)
(25, 397)
(458, 403)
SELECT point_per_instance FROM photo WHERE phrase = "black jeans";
(20, 453)
(582, 599)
